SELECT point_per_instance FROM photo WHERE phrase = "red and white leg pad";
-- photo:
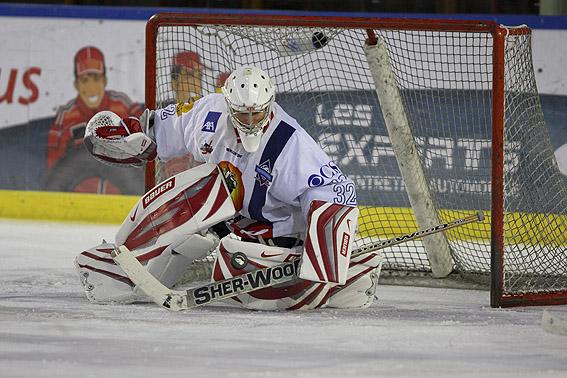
(299, 294)
(102, 279)
(165, 231)
(360, 287)
(105, 282)
(328, 243)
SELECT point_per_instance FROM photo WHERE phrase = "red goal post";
(460, 96)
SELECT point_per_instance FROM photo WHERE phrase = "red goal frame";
(499, 298)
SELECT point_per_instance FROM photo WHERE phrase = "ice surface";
(49, 329)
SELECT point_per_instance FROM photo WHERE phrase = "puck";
(239, 260)
(319, 39)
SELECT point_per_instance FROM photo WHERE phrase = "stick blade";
(155, 290)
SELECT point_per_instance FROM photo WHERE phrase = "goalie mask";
(249, 95)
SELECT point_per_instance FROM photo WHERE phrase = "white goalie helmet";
(249, 95)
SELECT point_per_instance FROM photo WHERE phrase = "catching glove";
(121, 142)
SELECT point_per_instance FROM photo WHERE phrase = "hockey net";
(467, 92)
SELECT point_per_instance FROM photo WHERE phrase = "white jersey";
(273, 187)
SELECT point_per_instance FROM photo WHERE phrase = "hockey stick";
(175, 300)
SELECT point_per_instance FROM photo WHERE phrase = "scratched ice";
(49, 329)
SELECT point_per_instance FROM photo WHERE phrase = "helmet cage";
(250, 128)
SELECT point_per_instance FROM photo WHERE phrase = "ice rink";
(49, 329)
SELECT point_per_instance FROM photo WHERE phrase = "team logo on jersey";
(328, 174)
(233, 179)
(207, 148)
(264, 173)
(210, 124)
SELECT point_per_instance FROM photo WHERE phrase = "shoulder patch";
(183, 107)
(167, 112)
(211, 120)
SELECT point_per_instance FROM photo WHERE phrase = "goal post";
(405, 150)
(457, 128)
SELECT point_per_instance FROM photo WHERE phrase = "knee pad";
(170, 266)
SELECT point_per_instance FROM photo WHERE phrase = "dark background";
(543, 7)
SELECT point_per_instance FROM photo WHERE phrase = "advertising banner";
(53, 78)
(61, 71)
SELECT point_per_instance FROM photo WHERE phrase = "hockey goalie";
(264, 189)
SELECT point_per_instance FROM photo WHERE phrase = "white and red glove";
(118, 141)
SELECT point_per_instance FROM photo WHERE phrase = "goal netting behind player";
(445, 77)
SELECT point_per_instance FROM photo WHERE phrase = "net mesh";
(445, 80)
(535, 234)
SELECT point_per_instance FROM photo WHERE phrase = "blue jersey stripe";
(273, 149)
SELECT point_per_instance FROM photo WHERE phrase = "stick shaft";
(418, 234)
